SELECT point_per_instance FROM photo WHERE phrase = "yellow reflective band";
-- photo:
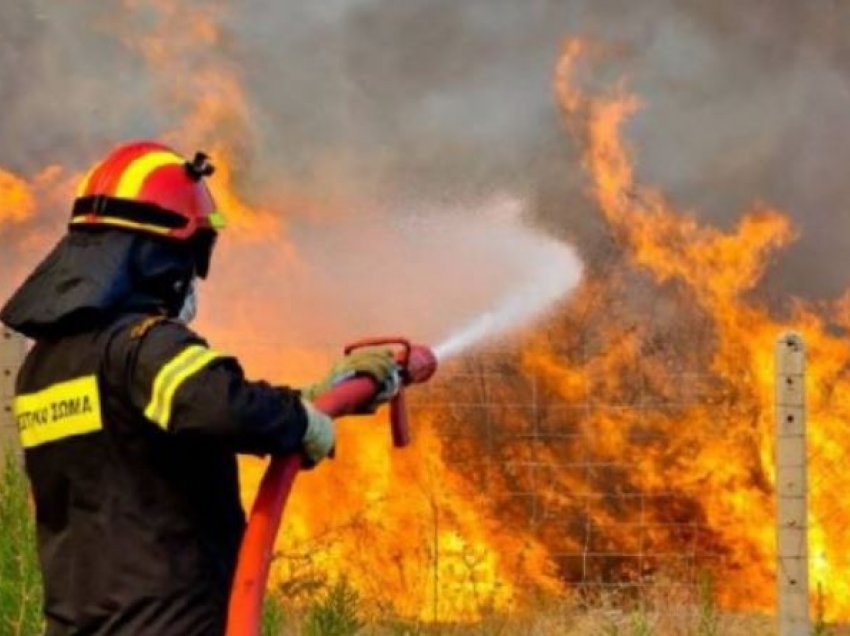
(111, 220)
(135, 174)
(171, 377)
(66, 409)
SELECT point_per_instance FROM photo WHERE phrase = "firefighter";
(130, 423)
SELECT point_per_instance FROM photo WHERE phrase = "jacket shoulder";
(148, 340)
(145, 329)
(140, 328)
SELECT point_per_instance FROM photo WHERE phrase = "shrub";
(335, 614)
(20, 578)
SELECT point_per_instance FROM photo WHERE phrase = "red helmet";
(146, 187)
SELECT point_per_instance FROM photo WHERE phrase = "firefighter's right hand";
(319, 435)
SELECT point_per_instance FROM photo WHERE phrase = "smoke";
(373, 108)
(743, 101)
(551, 271)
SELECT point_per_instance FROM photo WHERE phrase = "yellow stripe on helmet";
(171, 377)
(134, 175)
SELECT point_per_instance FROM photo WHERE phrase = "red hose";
(416, 364)
(252, 571)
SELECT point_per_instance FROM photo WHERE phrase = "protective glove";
(318, 436)
(377, 363)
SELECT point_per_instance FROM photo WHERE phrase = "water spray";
(555, 271)
(416, 364)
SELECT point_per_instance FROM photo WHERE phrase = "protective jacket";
(130, 424)
(129, 435)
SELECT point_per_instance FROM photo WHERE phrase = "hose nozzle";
(417, 363)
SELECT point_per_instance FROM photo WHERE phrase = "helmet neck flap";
(92, 277)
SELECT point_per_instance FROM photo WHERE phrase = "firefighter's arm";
(186, 388)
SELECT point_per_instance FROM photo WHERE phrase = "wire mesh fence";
(605, 469)
(543, 466)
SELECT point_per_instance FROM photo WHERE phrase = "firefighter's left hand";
(379, 364)
(319, 435)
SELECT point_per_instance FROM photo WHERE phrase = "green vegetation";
(274, 617)
(821, 628)
(641, 623)
(335, 613)
(20, 580)
(709, 617)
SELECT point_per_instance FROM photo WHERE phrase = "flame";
(717, 456)
(410, 534)
(16, 197)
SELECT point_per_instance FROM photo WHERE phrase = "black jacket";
(130, 432)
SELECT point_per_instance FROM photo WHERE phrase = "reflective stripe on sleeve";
(65, 409)
(172, 376)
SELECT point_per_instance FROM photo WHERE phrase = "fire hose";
(416, 364)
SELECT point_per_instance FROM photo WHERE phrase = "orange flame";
(730, 468)
(17, 198)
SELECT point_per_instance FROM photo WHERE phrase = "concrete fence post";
(12, 351)
(792, 575)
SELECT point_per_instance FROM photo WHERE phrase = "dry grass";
(568, 622)
(660, 608)
(566, 619)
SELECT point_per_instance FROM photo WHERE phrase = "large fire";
(714, 456)
(617, 446)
